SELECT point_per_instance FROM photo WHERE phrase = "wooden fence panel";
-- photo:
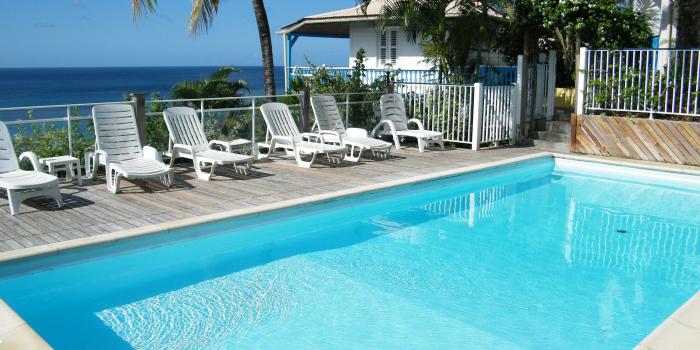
(635, 138)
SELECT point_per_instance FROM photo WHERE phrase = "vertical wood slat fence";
(649, 81)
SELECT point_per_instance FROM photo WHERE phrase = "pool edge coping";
(57, 247)
(15, 333)
(679, 331)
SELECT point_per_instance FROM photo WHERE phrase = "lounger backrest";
(279, 119)
(8, 158)
(116, 132)
(394, 109)
(185, 128)
(327, 114)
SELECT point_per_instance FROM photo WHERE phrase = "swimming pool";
(539, 254)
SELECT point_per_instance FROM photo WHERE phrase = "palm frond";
(203, 13)
(223, 73)
(141, 7)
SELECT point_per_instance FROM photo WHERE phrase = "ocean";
(49, 86)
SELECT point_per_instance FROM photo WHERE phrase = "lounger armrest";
(286, 140)
(332, 133)
(382, 122)
(310, 136)
(418, 123)
(223, 144)
(152, 153)
(101, 154)
(356, 132)
(31, 156)
(182, 148)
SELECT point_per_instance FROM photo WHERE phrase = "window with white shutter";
(388, 46)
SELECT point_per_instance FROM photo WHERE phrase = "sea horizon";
(38, 86)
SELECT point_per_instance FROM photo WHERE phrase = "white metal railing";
(469, 114)
(441, 107)
(647, 81)
(51, 114)
(370, 75)
(472, 114)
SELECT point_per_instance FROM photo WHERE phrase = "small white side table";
(242, 145)
(70, 165)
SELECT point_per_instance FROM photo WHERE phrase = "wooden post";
(540, 88)
(517, 99)
(551, 83)
(305, 102)
(581, 80)
(572, 132)
(478, 104)
(139, 101)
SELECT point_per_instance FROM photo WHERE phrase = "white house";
(391, 46)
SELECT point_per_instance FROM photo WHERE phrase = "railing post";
(305, 102)
(478, 111)
(540, 71)
(581, 80)
(517, 109)
(201, 110)
(70, 132)
(252, 126)
(139, 101)
(347, 110)
(551, 83)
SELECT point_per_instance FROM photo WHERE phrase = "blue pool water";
(520, 257)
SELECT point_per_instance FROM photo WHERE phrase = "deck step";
(553, 136)
(559, 126)
(561, 147)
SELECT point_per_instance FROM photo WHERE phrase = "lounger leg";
(167, 179)
(15, 201)
(200, 172)
(301, 163)
(113, 178)
(421, 144)
(397, 143)
(55, 194)
(441, 142)
(90, 165)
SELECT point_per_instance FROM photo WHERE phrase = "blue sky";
(96, 33)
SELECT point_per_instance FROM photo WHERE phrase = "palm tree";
(217, 84)
(445, 41)
(201, 17)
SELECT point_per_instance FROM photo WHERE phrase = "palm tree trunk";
(266, 48)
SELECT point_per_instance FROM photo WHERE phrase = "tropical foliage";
(568, 25)
(350, 89)
(451, 43)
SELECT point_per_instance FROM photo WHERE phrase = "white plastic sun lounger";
(118, 148)
(23, 184)
(285, 134)
(394, 118)
(331, 126)
(189, 141)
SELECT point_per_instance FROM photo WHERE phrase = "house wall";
(364, 35)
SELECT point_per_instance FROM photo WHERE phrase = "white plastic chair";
(23, 184)
(187, 140)
(285, 134)
(330, 125)
(395, 123)
(118, 148)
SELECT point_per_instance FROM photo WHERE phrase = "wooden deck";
(92, 210)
